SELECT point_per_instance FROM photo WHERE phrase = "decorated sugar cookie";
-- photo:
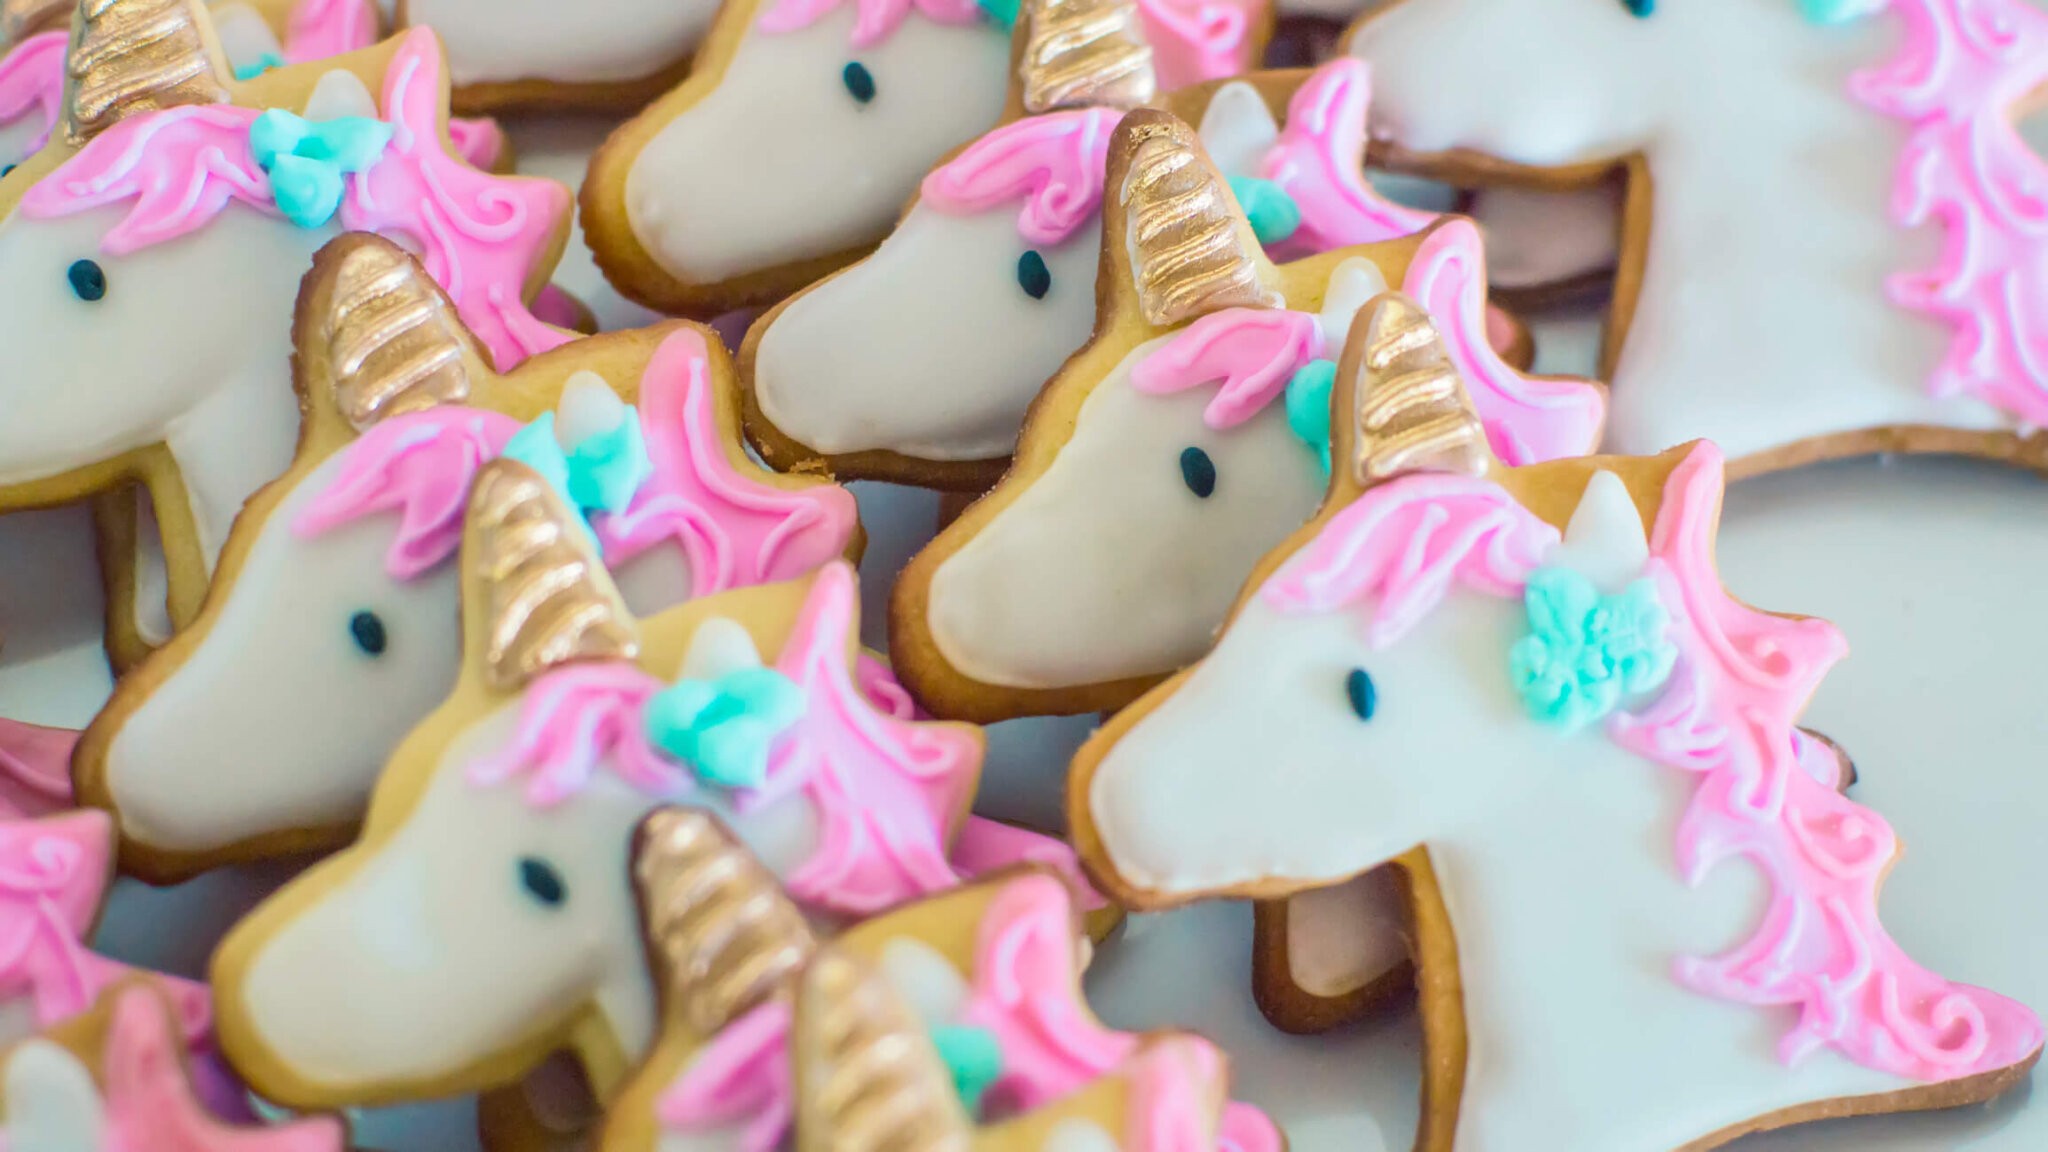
(806, 125)
(987, 979)
(1527, 689)
(1832, 243)
(331, 628)
(164, 317)
(541, 55)
(119, 1079)
(917, 363)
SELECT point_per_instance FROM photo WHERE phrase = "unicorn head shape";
(711, 199)
(172, 182)
(1180, 445)
(1515, 684)
(1851, 341)
(486, 918)
(918, 362)
(337, 607)
(987, 976)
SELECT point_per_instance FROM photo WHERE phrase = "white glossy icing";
(1237, 128)
(1605, 541)
(1771, 235)
(926, 980)
(496, 41)
(779, 163)
(245, 35)
(1342, 938)
(400, 971)
(1107, 565)
(52, 1104)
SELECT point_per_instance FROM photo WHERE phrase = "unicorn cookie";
(119, 1079)
(156, 325)
(989, 976)
(1832, 236)
(806, 125)
(331, 627)
(542, 55)
(1527, 690)
(917, 363)
(485, 917)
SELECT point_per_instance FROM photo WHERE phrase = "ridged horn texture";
(134, 56)
(719, 925)
(868, 1078)
(1413, 413)
(548, 598)
(394, 341)
(1081, 53)
(1189, 249)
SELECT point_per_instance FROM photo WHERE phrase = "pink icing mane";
(1728, 717)
(32, 84)
(482, 237)
(318, 29)
(1197, 40)
(735, 532)
(1054, 163)
(1319, 162)
(1962, 69)
(1254, 352)
(874, 21)
(889, 793)
(1025, 984)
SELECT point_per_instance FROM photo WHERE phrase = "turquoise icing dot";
(1273, 213)
(974, 1058)
(1308, 408)
(1003, 12)
(1836, 11)
(608, 468)
(308, 159)
(724, 729)
(1586, 651)
(259, 66)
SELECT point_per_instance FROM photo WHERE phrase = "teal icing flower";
(258, 66)
(724, 729)
(973, 1057)
(1003, 12)
(1837, 11)
(602, 473)
(1273, 213)
(1586, 651)
(1308, 408)
(308, 159)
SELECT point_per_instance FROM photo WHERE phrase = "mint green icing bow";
(600, 474)
(1585, 650)
(1273, 213)
(1308, 408)
(308, 159)
(973, 1057)
(258, 66)
(1837, 11)
(1002, 12)
(724, 728)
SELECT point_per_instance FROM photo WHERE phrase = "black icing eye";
(1640, 9)
(88, 280)
(368, 630)
(541, 881)
(860, 83)
(1032, 274)
(1198, 472)
(1364, 696)
(8, 171)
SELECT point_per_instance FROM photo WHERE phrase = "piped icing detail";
(1727, 716)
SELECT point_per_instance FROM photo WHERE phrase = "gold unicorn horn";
(548, 600)
(1079, 53)
(1412, 411)
(1191, 252)
(394, 341)
(868, 1078)
(133, 56)
(21, 19)
(719, 926)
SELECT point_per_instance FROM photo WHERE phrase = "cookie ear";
(722, 934)
(1081, 54)
(1175, 243)
(868, 1079)
(375, 337)
(132, 56)
(1400, 405)
(535, 595)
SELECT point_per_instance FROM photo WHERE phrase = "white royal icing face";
(496, 41)
(279, 719)
(1258, 767)
(1109, 565)
(434, 953)
(1764, 288)
(52, 1104)
(781, 163)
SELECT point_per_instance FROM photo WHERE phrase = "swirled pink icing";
(735, 531)
(1728, 718)
(1963, 69)
(482, 237)
(1054, 163)
(1251, 353)
(1197, 40)
(32, 83)
(317, 29)
(889, 793)
(874, 20)
(1319, 162)
(35, 769)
